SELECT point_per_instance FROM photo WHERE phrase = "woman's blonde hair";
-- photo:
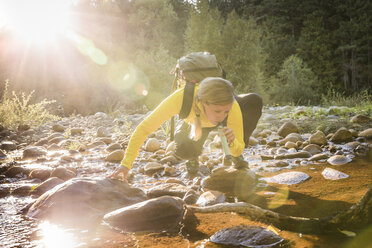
(212, 90)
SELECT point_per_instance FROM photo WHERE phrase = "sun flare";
(37, 20)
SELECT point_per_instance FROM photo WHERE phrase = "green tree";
(295, 83)
(315, 47)
(241, 53)
(203, 32)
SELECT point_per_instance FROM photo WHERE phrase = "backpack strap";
(188, 98)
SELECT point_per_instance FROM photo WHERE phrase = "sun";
(35, 20)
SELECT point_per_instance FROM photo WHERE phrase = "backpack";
(189, 71)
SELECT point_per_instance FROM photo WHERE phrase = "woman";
(214, 103)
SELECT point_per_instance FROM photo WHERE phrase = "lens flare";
(56, 237)
(88, 48)
(280, 198)
(37, 21)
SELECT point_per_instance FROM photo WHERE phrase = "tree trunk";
(355, 218)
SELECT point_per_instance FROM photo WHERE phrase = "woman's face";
(216, 113)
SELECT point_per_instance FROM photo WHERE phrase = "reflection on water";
(53, 236)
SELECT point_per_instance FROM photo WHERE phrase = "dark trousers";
(186, 148)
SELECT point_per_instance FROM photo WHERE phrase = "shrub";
(17, 109)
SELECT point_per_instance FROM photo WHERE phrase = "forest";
(119, 53)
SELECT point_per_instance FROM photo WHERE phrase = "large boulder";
(156, 215)
(341, 135)
(84, 201)
(233, 182)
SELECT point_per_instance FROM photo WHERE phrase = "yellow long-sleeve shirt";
(172, 106)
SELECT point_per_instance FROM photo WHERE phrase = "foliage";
(360, 102)
(295, 82)
(253, 40)
(17, 109)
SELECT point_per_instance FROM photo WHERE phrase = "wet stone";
(152, 145)
(63, 173)
(115, 156)
(156, 215)
(318, 157)
(246, 236)
(332, 174)
(46, 185)
(289, 178)
(82, 202)
(211, 197)
(8, 146)
(172, 189)
(339, 160)
(34, 152)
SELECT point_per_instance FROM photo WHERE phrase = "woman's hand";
(120, 170)
(229, 134)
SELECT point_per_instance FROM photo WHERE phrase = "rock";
(318, 138)
(2, 155)
(41, 174)
(253, 141)
(152, 145)
(102, 132)
(155, 215)
(153, 167)
(366, 133)
(302, 154)
(210, 197)
(170, 147)
(360, 119)
(341, 135)
(8, 146)
(113, 147)
(332, 174)
(56, 140)
(63, 173)
(115, 156)
(46, 185)
(171, 159)
(247, 236)
(287, 128)
(35, 151)
(53, 147)
(290, 145)
(240, 183)
(96, 144)
(289, 178)
(23, 190)
(170, 171)
(58, 128)
(312, 149)
(338, 160)
(41, 142)
(172, 189)
(191, 197)
(174, 180)
(100, 115)
(318, 157)
(54, 135)
(76, 131)
(293, 137)
(82, 202)
(352, 145)
(105, 140)
(281, 164)
(24, 127)
(16, 171)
